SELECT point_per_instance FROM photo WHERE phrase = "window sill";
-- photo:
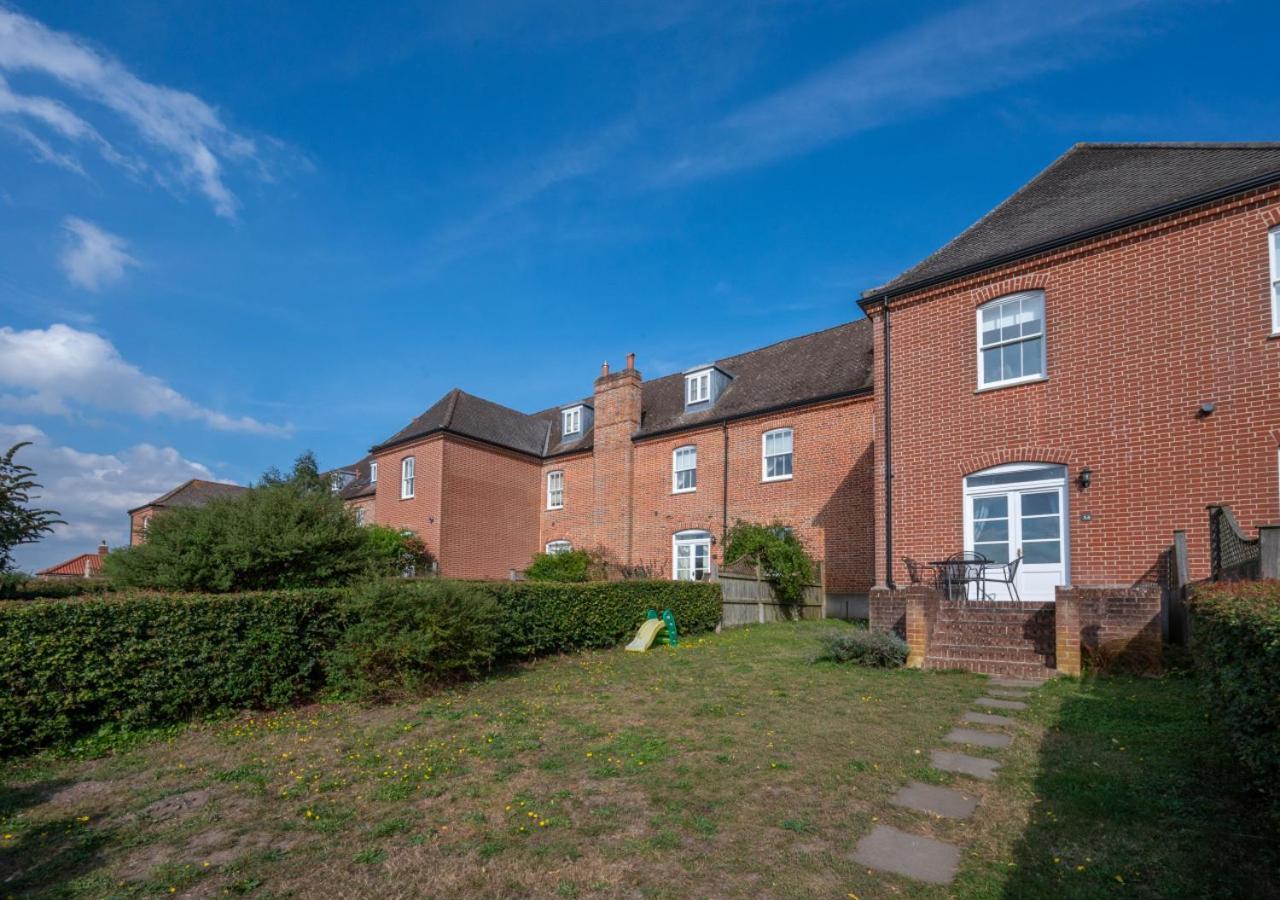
(686, 491)
(1008, 384)
(1274, 336)
(772, 480)
(554, 508)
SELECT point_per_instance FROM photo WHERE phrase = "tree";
(287, 532)
(396, 551)
(777, 551)
(18, 523)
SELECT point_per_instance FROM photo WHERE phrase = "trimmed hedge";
(21, 587)
(1236, 642)
(70, 667)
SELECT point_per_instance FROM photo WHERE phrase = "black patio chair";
(1005, 573)
(961, 570)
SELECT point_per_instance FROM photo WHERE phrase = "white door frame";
(1052, 476)
(691, 538)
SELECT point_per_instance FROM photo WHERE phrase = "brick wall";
(574, 523)
(420, 513)
(364, 503)
(489, 510)
(1142, 327)
(137, 532)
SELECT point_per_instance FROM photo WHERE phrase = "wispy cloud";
(93, 257)
(60, 369)
(92, 491)
(193, 144)
(977, 48)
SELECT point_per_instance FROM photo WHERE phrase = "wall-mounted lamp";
(1206, 409)
(1085, 478)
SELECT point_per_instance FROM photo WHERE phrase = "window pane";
(1009, 315)
(990, 325)
(1010, 361)
(1032, 317)
(686, 479)
(991, 507)
(778, 466)
(1042, 504)
(990, 366)
(997, 553)
(1040, 528)
(1032, 356)
(1036, 552)
(991, 530)
(1032, 473)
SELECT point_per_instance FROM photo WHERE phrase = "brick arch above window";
(989, 459)
(1034, 281)
(1270, 217)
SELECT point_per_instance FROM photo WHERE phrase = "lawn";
(732, 766)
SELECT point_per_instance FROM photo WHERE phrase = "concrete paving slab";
(977, 718)
(921, 858)
(977, 738)
(936, 800)
(1008, 693)
(996, 703)
(964, 764)
(999, 681)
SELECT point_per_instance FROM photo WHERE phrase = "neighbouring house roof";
(1089, 190)
(807, 369)
(360, 484)
(196, 492)
(86, 565)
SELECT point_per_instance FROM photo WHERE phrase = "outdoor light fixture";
(1085, 479)
(1205, 409)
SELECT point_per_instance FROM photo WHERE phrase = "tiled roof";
(1088, 190)
(360, 484)
(75, 567)
(831, 363)
(196, 492)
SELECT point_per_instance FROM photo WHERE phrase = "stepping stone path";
(926, 859)
(995, 703)
(991, 739)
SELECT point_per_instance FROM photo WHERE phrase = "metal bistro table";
(957, 572)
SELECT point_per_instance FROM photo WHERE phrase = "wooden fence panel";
(749, 599)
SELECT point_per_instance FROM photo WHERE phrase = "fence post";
(1269, 541)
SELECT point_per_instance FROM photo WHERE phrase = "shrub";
(1236, 642)
(877, 649)
(283, 535)
(16, 586)
(73, 666)
(396, 551)
(777, 550)
(570, 566)
(546, 617)
(409, 636)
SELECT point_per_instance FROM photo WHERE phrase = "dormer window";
(697, 387)
(373, 473)
(571, 421)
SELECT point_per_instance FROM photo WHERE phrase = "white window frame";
(1273, 240)
(571, 421)
(765, 455)
(555, 489)
(697, 387)
(692, 539)
(676, 468)
(554, 548)
(146, 523)
(408, 469)
(373, 473)
(359, 515)
(1019, 297)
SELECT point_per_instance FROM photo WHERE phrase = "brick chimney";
(102, 549)
(617, 417)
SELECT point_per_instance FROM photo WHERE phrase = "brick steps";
(1038, 671)
(1013, 639)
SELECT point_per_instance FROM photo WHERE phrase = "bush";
(570, 566)
(396, 551)
(1236, 642)
(14, 586)
(277, 536)
(73, 666)
(777, 550)
(410, 636)
(877, 649)
(545, 617)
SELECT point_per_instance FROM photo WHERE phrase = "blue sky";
(232, 231)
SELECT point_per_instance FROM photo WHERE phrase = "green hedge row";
(1236, 642)
(21, 587)
(70, 667)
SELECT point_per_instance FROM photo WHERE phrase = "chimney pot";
(631, 361)
(604, 368)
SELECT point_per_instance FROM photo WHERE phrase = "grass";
(732, 766)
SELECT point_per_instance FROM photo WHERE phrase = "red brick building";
(1073, 378)
(651, 473)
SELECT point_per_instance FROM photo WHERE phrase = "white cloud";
(191, 138)
(61, 368)
(93, 257)
(93, 491)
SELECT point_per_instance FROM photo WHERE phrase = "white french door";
(692, 555)
(1019, 510)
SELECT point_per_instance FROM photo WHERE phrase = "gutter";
(879, 295)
